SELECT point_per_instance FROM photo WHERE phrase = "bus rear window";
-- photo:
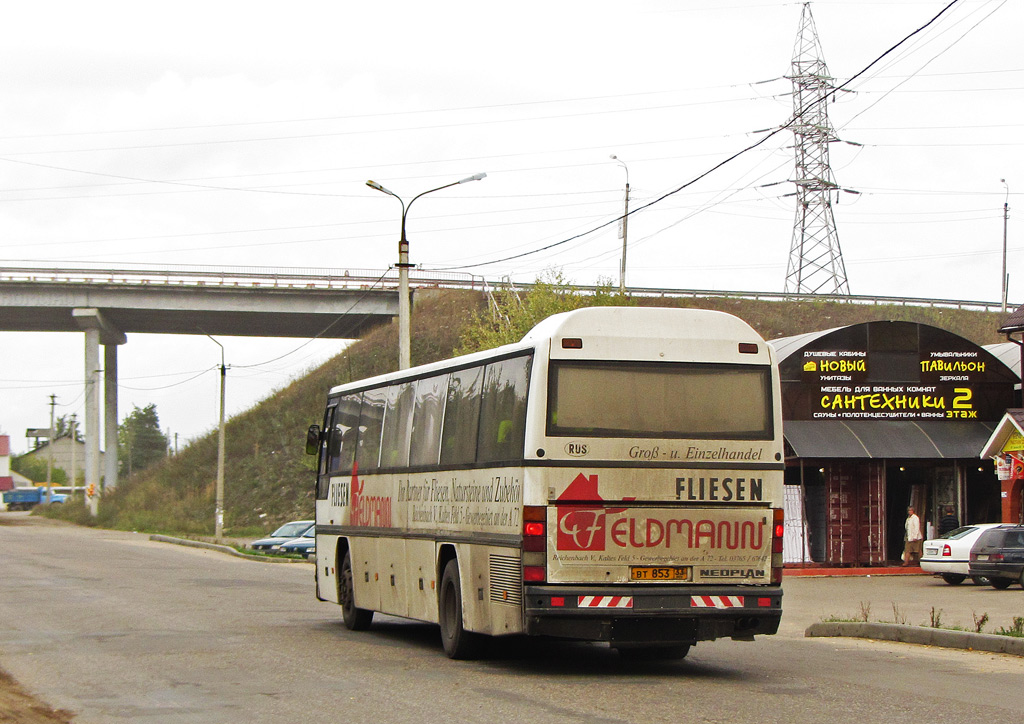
(660, 400)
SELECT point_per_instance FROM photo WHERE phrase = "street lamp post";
(1006, 216)
(404, 333)
(625, 228)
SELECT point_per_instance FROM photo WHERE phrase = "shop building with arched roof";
(880, 416)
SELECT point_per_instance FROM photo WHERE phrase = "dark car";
(287, 532)
(999, 555)
(304, 545)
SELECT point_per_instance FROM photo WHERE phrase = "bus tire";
(356, 619)
(457, 641)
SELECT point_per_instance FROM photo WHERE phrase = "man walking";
(914, 540)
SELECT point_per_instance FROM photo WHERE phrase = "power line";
(768, 135)
(387, 114)
(462, 124)
(328, 328)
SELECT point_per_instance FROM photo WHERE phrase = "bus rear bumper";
(652, 614)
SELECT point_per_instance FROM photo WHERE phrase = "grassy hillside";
(268, 478)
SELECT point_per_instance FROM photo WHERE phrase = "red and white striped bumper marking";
(716, 601)
(605, 602)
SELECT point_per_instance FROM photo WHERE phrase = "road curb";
(919, 635)
(223, 549)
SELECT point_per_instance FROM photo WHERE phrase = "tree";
(34, 469)
(140, 442)
(512, 314)
(61, 428)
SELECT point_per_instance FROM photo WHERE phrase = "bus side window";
(371, 423)
(323, 481)
(503, 410)
(344, 435)
(425, 448)
(394, 443)
(461, 417)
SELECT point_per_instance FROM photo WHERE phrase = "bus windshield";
(659, 400)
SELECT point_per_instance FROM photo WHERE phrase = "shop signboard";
(895, 371)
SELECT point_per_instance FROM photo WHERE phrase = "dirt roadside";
(18, 707)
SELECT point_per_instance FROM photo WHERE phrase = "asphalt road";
(119, 628)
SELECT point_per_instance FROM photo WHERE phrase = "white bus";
(615, 476)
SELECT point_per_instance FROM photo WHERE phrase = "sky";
(241, 134)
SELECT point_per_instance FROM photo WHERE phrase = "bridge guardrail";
(309, 278)
(305, 278)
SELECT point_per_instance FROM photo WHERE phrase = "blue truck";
(28, 498)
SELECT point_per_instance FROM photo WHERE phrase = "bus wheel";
(653, 653)
(457, 641)
(356, 619)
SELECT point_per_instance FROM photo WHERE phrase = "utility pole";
(1006, 219)
(73, 423)
(49, 457)
(815, 259)
(218, 524)
(624, 230)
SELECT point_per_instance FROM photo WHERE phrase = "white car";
(949, 555)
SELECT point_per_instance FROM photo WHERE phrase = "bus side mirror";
(313, 440)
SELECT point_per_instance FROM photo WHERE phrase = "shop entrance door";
(855, 493)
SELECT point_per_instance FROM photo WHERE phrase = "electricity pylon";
(815, 259)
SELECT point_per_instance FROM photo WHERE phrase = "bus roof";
(638, 323)
(644, 323)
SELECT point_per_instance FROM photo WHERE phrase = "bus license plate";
(659, 573)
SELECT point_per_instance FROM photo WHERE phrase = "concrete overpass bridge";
(108, 305)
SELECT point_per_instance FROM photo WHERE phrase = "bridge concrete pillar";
(110, 415)
(98, 330)
(92, 419)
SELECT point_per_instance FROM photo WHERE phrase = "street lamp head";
(474, 177)
(622, 163)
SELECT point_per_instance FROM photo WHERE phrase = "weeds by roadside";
(979, 621)
(1016, 629)
(898, 616)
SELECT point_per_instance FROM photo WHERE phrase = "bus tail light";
(535, 543)
(778, 528)
(534, 574)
